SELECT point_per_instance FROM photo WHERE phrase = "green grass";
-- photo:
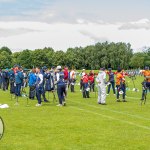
(81, 125)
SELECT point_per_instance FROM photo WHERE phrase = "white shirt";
(72, 74)
(101, 78)
(57, 76)
(41, 78)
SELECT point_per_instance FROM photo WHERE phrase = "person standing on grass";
(92, 80)
(49, 83)
(81, 82)
(61, 86)
(120, 85)
(12, 81)
(111, 80)
(4, 79)
(72, 80)
(124, 73)
(32, 84)
(18, 81)
(39, 86)
(101, 80)
(85, 91)
(44, 73)
(146, 82)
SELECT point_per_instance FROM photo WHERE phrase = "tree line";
(105, 54)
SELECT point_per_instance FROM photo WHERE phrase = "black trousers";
(12, 87)
(32, 92)
(61, 89)
(72, 85)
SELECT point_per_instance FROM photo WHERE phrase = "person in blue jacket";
(18, 81)
(32, 84)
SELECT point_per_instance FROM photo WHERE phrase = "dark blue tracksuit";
(39, 88)
(61, 87)
(112, 82)
(18, 81)
(43, 90)
(5, 80)
(12, 81)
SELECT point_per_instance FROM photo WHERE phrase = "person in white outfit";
(101, 80)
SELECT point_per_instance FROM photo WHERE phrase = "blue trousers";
(85, 92)
(61, 90)
(39, 92)
(123, 88)
(113, 87)
(18, 89)
(146, 86)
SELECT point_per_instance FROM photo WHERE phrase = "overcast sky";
(31, 24)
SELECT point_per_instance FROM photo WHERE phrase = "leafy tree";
(5, 60)
(137, 60)
(6, 49)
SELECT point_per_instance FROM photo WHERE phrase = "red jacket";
(85, 78)
(65, 74)
(91, 78)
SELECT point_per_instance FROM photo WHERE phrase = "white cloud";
(14, 32)
(34, 35)
(93, 36)
(140, 24)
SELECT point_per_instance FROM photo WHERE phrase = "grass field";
(81, 125)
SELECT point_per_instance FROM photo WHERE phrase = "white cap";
(58, 67)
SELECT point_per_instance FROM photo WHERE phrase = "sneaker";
(99, 103)
(103, 104)
(114, 94)
(46, 101)
(80, 90)
(59, 105)
(118, 100)
(124, 100)
(38, 105)
(107, 94)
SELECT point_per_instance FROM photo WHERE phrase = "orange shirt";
(119, 78)
(146, 73)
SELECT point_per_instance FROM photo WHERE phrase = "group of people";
(116, 80)
(87, 82)
(42, 80)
